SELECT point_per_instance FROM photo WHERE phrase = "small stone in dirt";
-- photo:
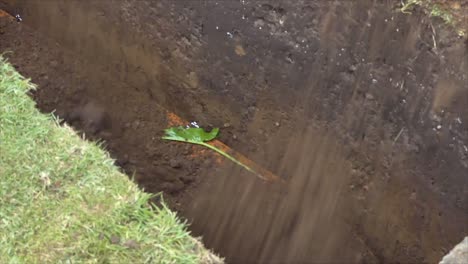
(193, 80)
(234, 137)
(277, 124)
(175, 164)
(240, 50)
(54, 63)
(115, 239)
(436, 118)
(352, 68)
(187, 179)
(458, 254)
(226, 125)
(136, 124)
(259, 23)
(186, 150)
(132, 244)
(251, 109)
(369, 96)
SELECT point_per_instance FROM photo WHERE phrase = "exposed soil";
(361, 109)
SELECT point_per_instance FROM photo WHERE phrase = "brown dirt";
(352, 103)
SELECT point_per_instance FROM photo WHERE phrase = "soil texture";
(362, 111)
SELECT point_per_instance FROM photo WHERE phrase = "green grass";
(63, 201)
(434, 9)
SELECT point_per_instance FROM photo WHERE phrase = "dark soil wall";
(363, 104)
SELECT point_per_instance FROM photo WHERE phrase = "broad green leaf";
(193, 134)
(198, 136)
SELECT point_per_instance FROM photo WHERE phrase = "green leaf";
(198, 136)
(191, 134)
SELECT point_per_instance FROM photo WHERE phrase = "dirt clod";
(176, 164)
(115, 240)
(91, 117)
(174, 186)
(131, 244)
